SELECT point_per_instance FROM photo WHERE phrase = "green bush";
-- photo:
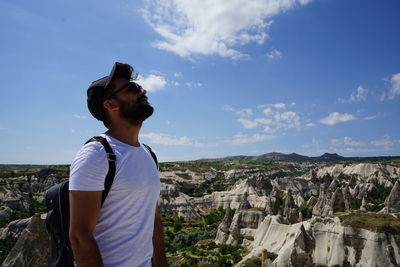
(186, 240)
(253, 262)
(355, 203)
(34, 207)
(5, 247)
(306, 212)
(346, 264)
(214, 218)
(227, 249)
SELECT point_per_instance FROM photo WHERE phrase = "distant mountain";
(288, 157)
(271, 156)
(281, 156)
(329, 156)
(334, 157)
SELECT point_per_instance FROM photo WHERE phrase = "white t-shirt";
(124, 230)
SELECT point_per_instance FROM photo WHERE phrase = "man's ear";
(110, 105)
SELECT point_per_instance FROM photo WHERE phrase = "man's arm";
(84, 213)
(158, 241)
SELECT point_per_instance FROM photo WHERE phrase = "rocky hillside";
(301, 212)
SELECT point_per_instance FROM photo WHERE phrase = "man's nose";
(143, 92)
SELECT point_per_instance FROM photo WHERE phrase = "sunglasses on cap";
(132, 87)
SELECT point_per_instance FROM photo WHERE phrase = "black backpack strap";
(152, 154)
(111, 165)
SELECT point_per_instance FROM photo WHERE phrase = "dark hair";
(122, 71)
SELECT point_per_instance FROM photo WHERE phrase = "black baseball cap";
(96, 93)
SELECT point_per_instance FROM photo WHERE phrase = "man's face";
(133, 105)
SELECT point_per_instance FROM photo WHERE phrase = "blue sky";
(225, 77)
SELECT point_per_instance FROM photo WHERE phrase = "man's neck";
(126, 133)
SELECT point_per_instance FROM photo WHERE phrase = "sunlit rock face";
(378, 174)
(238, 228)
(323, 241)
(392, 202)
(32, 247)
(14, 228)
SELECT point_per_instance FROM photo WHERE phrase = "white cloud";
(274, 54)
(178, 74)
(212, 26)
(245, 112)
(152, 83)
(360, 94)
(268, 111)
(250, 124)
(193, 84)
(395, 86)
(386, 142)
(240, 139)
(274, 119)
(81, 117)
(291, 118)
(350, 142)
(279, 105)
(371, 117)
(165, 139)
(288, 119)
(336, 117)
(310, 124)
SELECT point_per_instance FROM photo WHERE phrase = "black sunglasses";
(132, 87)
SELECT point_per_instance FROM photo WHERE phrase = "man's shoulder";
(91, 151)
(92, 146)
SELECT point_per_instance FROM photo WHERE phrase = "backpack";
(57, 204)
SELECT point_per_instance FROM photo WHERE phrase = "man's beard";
(136, 113)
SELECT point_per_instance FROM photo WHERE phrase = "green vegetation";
(5, 246)
(379, 197)
(34, 207)
(191, 242)
(272, 256)
(201, 166)
(306, 212)
(381, 223)
(253, 262)
(218, 183)
(7, 171)
(355, 203)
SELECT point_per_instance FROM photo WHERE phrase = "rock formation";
(32, 248)
(14, 228)
(323, 242)
(263, 208)
(392, 202)
(291, 210)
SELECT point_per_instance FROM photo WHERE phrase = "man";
(126, 229)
